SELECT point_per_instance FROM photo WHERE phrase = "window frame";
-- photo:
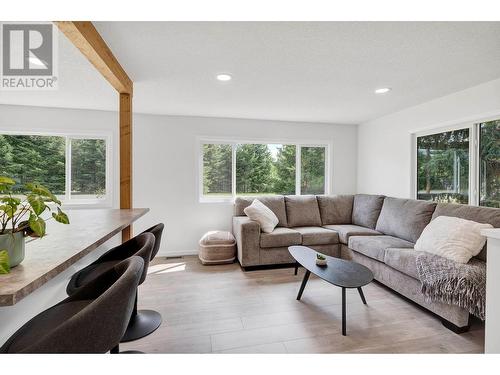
(236, 141)
(66, 200)
(474, 169)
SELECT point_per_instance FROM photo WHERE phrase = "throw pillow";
(452, 238)
(259, 212)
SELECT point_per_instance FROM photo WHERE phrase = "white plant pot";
(321, 262)
(14, 244)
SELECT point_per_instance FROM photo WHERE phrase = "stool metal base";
(142, 324)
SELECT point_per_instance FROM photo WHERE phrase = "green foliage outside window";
(489, 159)
(88, 167)
(33, 158)
(312, 170)
(261, 169)
(217, 169)
(443, 167)
(42, 160)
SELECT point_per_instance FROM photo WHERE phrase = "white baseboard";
(177, 253)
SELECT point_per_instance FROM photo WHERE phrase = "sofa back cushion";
(275, 203)
(365, 209)
(302, 211)
(404, 218)
(486, 215)
(335, 209)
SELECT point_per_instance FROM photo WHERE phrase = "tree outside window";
(262, 169)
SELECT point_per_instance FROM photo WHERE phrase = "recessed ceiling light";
(383, 90)
(224, 77)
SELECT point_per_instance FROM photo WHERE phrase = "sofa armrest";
(247, 234)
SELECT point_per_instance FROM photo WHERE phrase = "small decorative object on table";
(320, 260)
(23, 217)
(217, 247)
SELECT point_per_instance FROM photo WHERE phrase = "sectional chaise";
(376, 231)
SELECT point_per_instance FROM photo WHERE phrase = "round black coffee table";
(339, 272)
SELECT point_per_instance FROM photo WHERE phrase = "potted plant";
(21, 216)
(321, 260)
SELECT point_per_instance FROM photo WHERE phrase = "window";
(263, 169)
(460, 165)
(312, 173)
(443, 166)
(88, 168)
(73, 168)
(217, 170)
(34, 158)
(489, 164)
(237, 168)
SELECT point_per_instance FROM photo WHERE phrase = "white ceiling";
(299, 71)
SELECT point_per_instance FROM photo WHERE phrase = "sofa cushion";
(365, 209)
(335, 209)
(402, 259)
(485, 215)
(453, 238)
(280, 237)
(263, 215)
(347, 230)
(404, 218)
(374, 246)
(275, 203)
(302, 211)
(317, 236)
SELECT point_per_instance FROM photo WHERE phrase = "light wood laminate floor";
(222, 309)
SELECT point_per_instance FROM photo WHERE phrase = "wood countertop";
(62, 247)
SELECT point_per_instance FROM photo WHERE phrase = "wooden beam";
(126, 157)
(87, 39)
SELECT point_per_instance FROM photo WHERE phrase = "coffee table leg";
(343, 313)
(296, 268)
(362, 295)
(303, 285)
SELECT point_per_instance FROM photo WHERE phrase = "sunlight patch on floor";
(166, 268)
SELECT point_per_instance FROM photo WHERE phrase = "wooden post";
(126, 157)
(86, 38)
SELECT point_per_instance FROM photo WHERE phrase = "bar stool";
(144, 322)
(157, 231)
(92, 320)
(142, 245)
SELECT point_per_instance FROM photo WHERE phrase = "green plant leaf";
(37, 225)
(4, 188)
(37, 203)
(11, 201)
(6, 181)
(60, 217)
(9, 210)
(43, 191)
(4, 262)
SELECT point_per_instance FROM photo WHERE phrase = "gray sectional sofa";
(376, 231)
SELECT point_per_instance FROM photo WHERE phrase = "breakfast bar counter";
(62, 247)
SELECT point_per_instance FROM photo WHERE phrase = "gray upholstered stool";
(217, 247)
(92, 320)
(142, 322)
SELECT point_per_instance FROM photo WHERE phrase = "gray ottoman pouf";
(217, 247)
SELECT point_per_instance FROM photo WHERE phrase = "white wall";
(384, 144)
(166, 168)
(166, 160)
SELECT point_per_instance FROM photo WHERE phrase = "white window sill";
(87, 203)
(226, 200)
